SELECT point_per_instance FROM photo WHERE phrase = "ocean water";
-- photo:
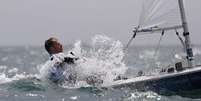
(20, 71)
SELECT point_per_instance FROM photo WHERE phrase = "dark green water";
(18, 63)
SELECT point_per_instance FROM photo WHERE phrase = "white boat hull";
(186, 80)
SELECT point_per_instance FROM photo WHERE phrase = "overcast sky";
(30, 22)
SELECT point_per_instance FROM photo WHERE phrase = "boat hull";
(181, 83)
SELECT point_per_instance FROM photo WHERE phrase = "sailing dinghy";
(164, 16)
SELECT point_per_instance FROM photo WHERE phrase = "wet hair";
(48, 44)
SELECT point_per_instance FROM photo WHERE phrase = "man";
(61, 62)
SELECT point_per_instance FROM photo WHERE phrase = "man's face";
(56, 47)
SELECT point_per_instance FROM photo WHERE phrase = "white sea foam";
(3, 76)
(8, 75)
(14, 70)
(73, 97)
(144, 95)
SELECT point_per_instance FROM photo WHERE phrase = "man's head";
(53, 46)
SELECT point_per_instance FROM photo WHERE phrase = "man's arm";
(61, 57)
(70, 58)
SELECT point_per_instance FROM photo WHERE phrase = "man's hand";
(61, 57)
(58, 58)
(70, 58)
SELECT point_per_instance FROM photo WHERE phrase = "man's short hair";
(49, 43)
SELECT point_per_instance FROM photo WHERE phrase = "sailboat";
(161, 16)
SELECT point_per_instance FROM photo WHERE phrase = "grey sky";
(30, 22)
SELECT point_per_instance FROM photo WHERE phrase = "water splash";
(102, 59)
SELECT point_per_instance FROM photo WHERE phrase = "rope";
(131, 39)
(129, 42)
(158, 45)
(181, 40)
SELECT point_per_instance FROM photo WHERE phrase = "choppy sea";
(20, 71)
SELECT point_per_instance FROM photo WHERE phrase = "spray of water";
(103, 59)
